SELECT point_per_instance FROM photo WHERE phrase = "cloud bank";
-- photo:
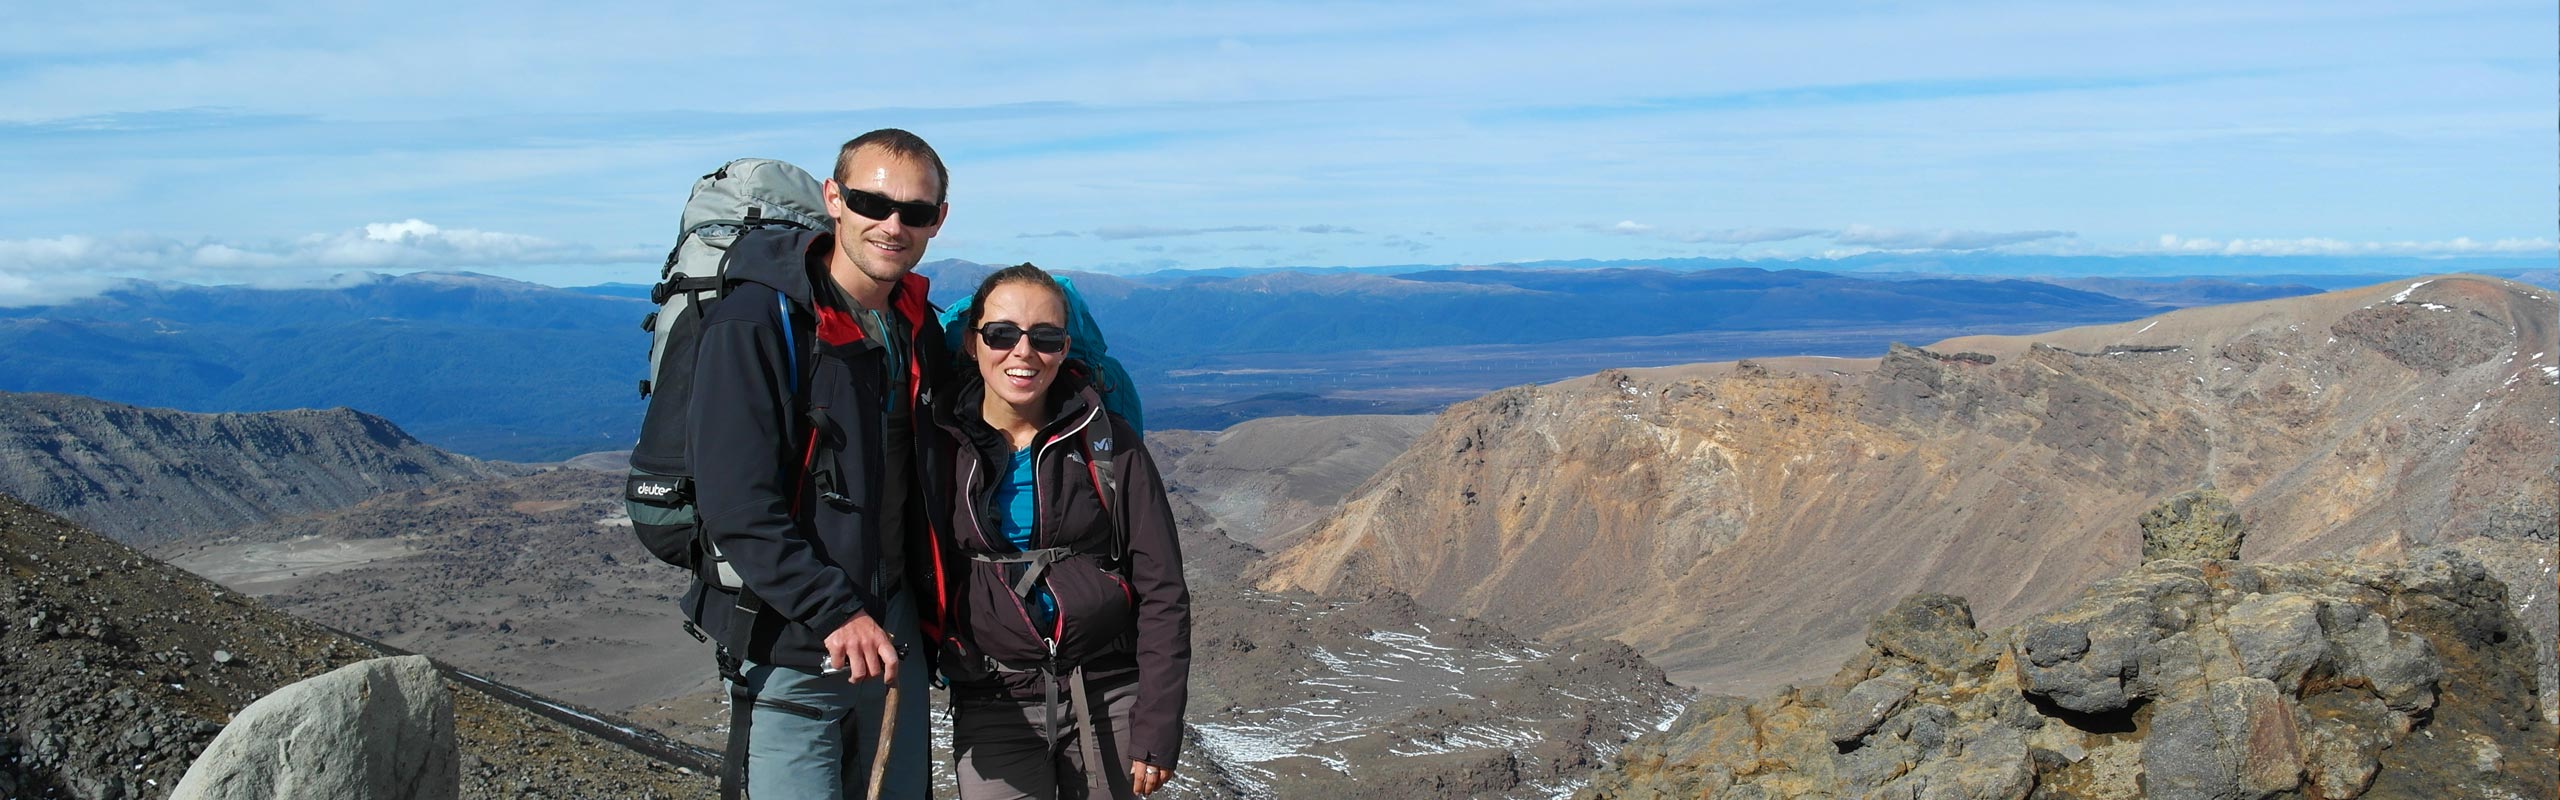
(2457, 246)
(43, 271)
(1854, 236)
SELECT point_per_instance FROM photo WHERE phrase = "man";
(803, 449)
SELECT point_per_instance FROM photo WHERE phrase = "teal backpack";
(1084, 343)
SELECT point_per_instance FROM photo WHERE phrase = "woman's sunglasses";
(871, 206)
(1003, 335)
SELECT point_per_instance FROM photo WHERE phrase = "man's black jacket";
(803, 540)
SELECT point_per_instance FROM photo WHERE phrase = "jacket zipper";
(1040, 534)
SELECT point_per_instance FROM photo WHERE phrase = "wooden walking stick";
(880, 750)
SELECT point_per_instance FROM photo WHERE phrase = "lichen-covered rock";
(2178, 679)
(1869, 703)
(2199, 523)
(2237, 739)
(1933, 630)
(2085, 657)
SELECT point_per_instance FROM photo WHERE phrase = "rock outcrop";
(151, 475)
(2179, 679)
(379, 728)
(2196, 524)
(2357, 423)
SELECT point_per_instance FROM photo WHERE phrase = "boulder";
(381, 729)
(1934, 630)
(2197, 524)
(2237, 739)
(1869, 703)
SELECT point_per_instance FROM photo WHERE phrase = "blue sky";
(555, 141)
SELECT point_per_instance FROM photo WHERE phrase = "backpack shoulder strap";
(1102, 467)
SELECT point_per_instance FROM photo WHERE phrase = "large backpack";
(1084, 343)
(740, 196)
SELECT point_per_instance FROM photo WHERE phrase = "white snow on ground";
(1377, 682)
(2403, 296)
(2149, 327)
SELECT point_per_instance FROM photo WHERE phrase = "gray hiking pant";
(803, 724)
(1002, 754)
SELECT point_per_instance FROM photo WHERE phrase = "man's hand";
(1146, 778)
(863, 650)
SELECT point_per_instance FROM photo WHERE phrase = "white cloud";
(2317, 246)
(1942, 239)
(1752, 235)
(52, 270)
(1119, 232)
(1864, 237)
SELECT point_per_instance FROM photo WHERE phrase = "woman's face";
(1020, 375)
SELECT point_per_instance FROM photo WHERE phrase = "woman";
(1065, 625)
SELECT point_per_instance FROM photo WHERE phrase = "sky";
(555, 142)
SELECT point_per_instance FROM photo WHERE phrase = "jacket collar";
(835, 327)
(1070, 398)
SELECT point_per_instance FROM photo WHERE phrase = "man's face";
(884, 249)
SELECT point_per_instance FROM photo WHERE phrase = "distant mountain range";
(487, 366)
(503, 369)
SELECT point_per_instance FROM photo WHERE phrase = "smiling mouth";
(1021, 376)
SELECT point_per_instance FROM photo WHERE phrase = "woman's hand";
(1146, 778)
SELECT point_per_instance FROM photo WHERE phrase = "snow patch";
(2403, 296)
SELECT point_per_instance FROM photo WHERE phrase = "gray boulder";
(2237, 739)
(1934, 630)
(381, 729)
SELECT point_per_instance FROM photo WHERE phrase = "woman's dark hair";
(1018, 273)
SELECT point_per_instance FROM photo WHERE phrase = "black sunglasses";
(871, 206)
(1003, 335)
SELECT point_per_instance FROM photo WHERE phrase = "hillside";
(1263, 480)
(147, 475)
(120, 669)
(1757, 512)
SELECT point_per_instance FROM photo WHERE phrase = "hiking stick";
(880, 750)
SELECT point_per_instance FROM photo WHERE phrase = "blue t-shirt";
(1016, 515)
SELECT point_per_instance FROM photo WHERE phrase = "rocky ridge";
(2006, 469)
(117, 670)
(145, 475)
(2179, 679)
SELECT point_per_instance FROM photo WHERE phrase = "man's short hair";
(899, 143)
